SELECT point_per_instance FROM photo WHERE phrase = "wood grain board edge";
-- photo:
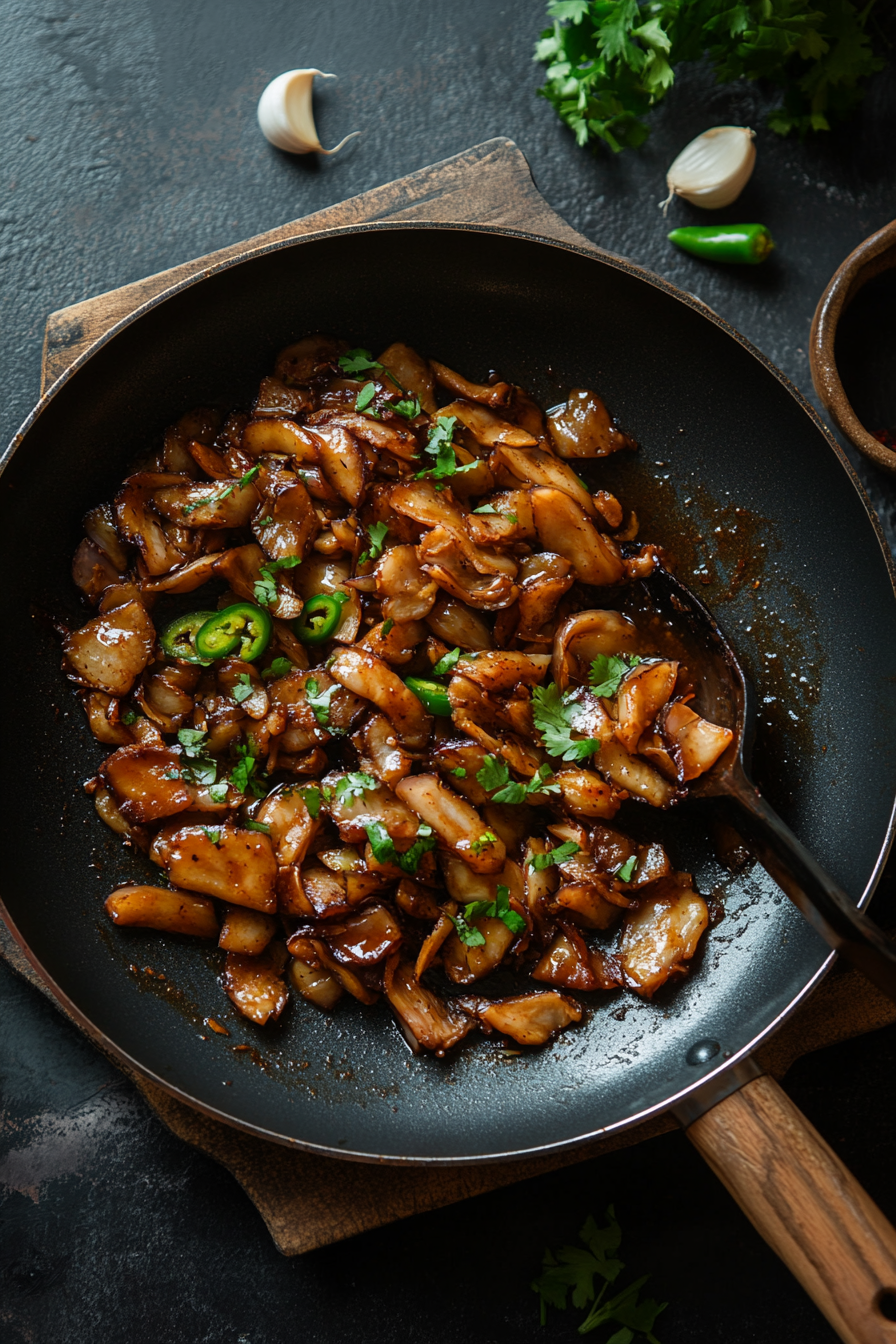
(488, 184)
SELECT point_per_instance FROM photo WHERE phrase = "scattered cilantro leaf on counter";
(574, 1269)
(388, 626)
(486, 838)
(319, 700)
(214, 836)
(365, 396)
(446, 663)
(624, 872)
(610, 61)
(558, 855)
(553, 716)
(265, 587)
(280, 667)
(408, 407)
(384, 850)
(608, 670)
(354, 786)
(243, 688)
(258, 826)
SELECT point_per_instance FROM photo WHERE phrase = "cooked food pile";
(372, 705)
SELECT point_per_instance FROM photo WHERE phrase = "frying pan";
(736, 476)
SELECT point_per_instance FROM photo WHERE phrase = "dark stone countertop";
(131, 145)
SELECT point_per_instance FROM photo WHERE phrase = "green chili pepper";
(320, 618)
(749, 243)
(178, 639)
(242, 628)
(433, 695)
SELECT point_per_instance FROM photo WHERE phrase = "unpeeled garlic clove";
(713, 170)
(286, 117)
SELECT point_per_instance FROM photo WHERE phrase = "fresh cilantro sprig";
(490, 508)
(558, 855)
(361, 361)
(439, 446)
(495, 774)
(499, 908)
(280, 667)
(575, 1269)
(553, 714)
(243, 776)
(225, 493)
(608, 671)
(243, 689)
(610, 61)
(354, 786)
(377, 532)
(624, 871)
(199, 768)
(265, 588)
(409, 407)
(384, 850)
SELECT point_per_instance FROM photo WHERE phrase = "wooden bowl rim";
(871, 258)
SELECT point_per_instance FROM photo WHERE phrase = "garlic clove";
(713, 170)
(286, 117)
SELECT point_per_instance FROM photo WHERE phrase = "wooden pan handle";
(811, 1211)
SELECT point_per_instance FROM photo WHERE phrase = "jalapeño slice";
(178, 639)
(243, 629)
(433, 695)
(320, 618)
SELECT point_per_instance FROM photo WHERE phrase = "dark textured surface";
(131, 145)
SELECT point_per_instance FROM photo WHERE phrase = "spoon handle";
(823, 903)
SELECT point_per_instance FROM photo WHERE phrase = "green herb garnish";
(130, 716)
(280, 667)
(365, 396)
(608, 671)
(624, 872)
(319, 700)
(354, 786)
(224, 494)
(553, 714)
(258, 826)
(486, 838)
(384, 850)
(214, 836)
(446, 663)
(311, 799)
(377, 533)
(218, 792)
(388, 626)
(243, 688)
(265, 587)
(559, 855)
(497, 909)
(409, 408)
(495, 774)
(459, 771)
(243, 773)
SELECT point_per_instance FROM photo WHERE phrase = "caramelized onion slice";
(367, 676)
(230, 863)
(316, 984)
(696, 742)
(564, 527)
(662, 934)
(246, 931)
(163, 908)
(641, 696)
(458, 825)
(255, 984)
(582, 427)
(426, 1021)
(531, 1019)
(110, 651)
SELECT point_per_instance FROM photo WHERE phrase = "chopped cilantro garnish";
(354, 786)
(130, 716)
(226, 493)
(553, 714)
(243, 688)
(377, 533)
(486, 838)
(445, 664)
(243, 773)
(497, 909)
(608, 670)
(624, 873)
(218, 792)
(487, 508)
(319, 700)
(459, 771)
(171, 774)
(192, 740)
(439, 446)
(280, 667)
(559, 855)
(365, 396)
(264, 522)
(495, 774)
(409, 408)
(214, 836)
(258, 826)
(358, 361)
(265, 588)
(311, 799)
(388, 625)
(384, 850)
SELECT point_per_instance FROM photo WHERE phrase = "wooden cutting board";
(309, 1201)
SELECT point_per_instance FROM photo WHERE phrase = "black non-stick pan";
(735, 476)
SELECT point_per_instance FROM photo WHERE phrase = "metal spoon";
(725, 696)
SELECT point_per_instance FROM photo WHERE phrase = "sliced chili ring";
(178, 639)
(320, 618)
(243, 628)
(433, 695)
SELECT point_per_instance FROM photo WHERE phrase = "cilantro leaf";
(280, 667)
(358, 361)
(354, 786)
(377, 533)
(624, 873)
(608, 670)
(494, 773)
(558, 855)
(130, 716)
(214, 836)
(487, 508)
(265, 587)
(384, 850)
(388, 625)
(311, 798)
(319, 700)
(264, 522)
(243, 773)
(553, 715)
(243, 688)
(218, 792)
(192, 740)
(223, 494)
(365, 396)
(574, 1268)
(496, 909)
(439, 446)
(470, 937)
(408, 407)
(459, 771)
(446, 663)
(258, 826)
(486, 838)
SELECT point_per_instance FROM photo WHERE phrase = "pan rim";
(706, 1080)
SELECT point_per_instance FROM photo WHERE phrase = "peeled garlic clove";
(285, 115)
(713, 170)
